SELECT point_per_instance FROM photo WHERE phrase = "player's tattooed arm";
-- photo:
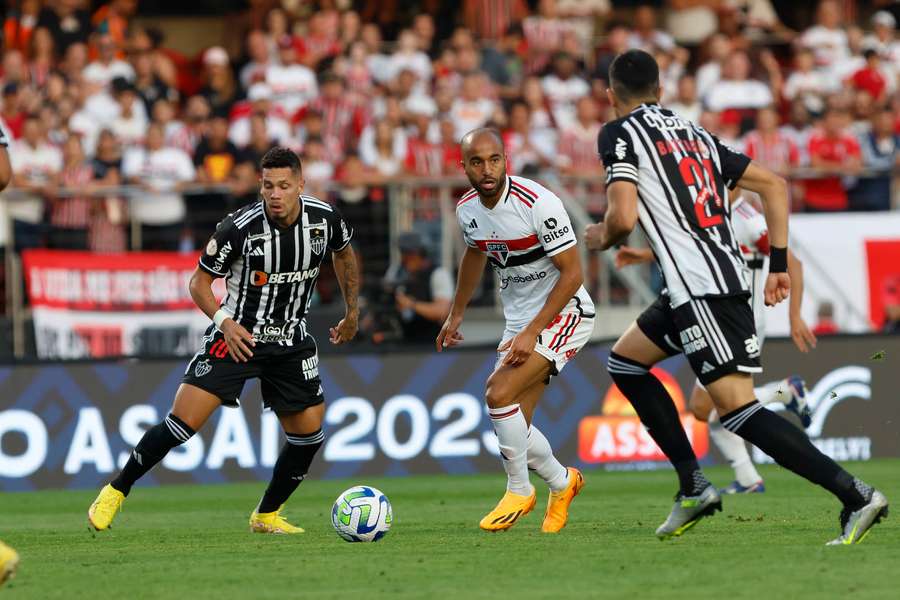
(347, 271)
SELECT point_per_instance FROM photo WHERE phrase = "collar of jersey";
(646, 105)
(507, 186)
(292, 225)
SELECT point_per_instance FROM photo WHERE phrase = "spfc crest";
(203, 367)
(497, 250)
(317, 240)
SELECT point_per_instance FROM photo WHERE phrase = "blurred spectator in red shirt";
(871, 78)
(489, 19)
(12, 114)
(831, 150)
(20, 24)
(320, 41)
(577, 151)
(343, 118)
(768, 146)
(825, 324)
(70, 214)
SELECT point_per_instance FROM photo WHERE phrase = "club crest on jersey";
(212, 247)
(497, 250)
(317, 240)
(203, 367)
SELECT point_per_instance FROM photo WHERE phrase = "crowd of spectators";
(94, 100)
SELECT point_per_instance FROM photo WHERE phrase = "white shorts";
(560, 341)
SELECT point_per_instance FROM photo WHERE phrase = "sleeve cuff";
(561, 247)
(621, 172)
(209, 270)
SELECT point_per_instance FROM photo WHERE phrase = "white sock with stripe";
(542, 461)
(512, 436)
(734, 449)
(776, 391)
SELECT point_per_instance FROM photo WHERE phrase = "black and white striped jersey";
(683, 174)
(270, 272)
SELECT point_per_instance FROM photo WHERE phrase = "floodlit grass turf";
(193, 542)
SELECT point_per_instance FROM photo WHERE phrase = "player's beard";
(490, 194)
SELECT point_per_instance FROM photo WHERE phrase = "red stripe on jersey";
(520, 244)
(467, 197)
(521, 198)
(525, 190)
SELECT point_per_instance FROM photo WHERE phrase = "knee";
(700, 405)
(498, 393)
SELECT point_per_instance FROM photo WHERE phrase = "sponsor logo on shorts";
(261, 278)
(692, 339)
(751, 345)
(275, 333)
(530, 278)
(310, 367)
(570, 354)
(203, 368)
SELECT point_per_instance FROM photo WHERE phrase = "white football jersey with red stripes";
(752, 233)
(519, 235)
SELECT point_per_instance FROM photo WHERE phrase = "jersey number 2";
(692, 174)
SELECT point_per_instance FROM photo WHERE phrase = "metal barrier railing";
(582, 196)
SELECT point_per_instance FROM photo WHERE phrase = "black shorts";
(289, 374)
(717, 335)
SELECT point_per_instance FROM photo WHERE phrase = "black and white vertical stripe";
(696, 261)
(712, 332)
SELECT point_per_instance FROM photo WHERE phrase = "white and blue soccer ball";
(362, 514)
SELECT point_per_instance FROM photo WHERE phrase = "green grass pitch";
(193, 542)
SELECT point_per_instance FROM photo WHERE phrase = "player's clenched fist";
(238, 340)
(778, 288)
(345, 330)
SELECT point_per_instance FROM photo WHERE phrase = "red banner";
(132, 281)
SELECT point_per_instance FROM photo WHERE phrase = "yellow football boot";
(104, 509)
(9, 560)
(558, 506)
(510, 508)
(272, 522)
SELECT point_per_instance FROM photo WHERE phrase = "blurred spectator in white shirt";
(736, 89)
(827, 37)
(292, 84)
(379, 63)
(385, 150)
(258, 59)
(808, 84)
(538, 104)
(408, 56)
(318, 171)
(717, 48)
(883, 39)
(563, 87)
(35, 165)
(685, 101)
(130, 124)
(473, 108)
(528, 149)
(162, 172)
(260, 98)
(692, 21)
(101, 71)
(645, 35)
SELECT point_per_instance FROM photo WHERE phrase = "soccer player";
(671, 175)
(523, 230)
(752, 237)
(270, 253)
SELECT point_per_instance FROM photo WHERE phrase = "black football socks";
(290, 468)
(152, 448)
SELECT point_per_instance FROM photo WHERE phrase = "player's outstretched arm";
(471, 268)
(347, 272)
(803, 338)
(620, 219)
(238, 339)
(773, 190)
(627, 256)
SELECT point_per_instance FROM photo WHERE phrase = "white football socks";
(542, 461)
(734, 449)
(776, 391)
(512, 437)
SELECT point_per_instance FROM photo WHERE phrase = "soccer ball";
(362, 514)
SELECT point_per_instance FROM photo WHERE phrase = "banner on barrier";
(88, 305)
(74, 425)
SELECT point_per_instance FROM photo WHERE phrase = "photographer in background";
(421, 290)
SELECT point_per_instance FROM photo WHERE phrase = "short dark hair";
(280, 157)
(634, 75)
